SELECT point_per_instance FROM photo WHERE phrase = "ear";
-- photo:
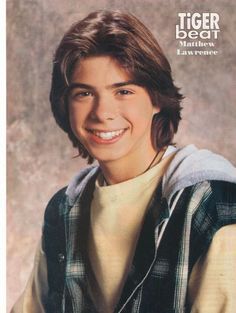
(155, 110)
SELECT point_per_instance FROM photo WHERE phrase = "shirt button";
(61, 257)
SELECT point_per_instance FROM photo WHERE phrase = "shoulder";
(224, 195)
(216, 208)
(216, 203)
(215, 192)
(79, 182)
(64, 198)
(224, 191)
(54, 207)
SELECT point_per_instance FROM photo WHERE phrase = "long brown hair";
(126, 39)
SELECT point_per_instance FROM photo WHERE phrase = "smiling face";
(109, 114)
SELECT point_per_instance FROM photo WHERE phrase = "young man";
(151, 229)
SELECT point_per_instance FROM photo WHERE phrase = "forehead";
(100, 68)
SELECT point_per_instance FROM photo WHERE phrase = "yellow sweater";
(117, 213)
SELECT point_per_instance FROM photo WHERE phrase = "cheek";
(75, 122)
(76, 116)
(140, 114)
(73, 116)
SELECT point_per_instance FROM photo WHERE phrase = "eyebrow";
(113, 86)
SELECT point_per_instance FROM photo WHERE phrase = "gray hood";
(191, 165)
(188, 167)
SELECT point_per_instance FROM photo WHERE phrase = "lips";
(107, 135)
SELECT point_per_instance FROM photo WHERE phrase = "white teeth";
(108, 135)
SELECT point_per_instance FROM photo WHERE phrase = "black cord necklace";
(148, 168)
(152, 162)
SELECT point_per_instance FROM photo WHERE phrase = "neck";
(119, 171)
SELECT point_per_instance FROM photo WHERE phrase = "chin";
(107, 157)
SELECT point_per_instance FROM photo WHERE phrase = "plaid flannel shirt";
(170, 243)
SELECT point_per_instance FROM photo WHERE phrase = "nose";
(104, 108)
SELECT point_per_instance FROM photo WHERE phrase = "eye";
(79, 95)
(124, 92)
(84, 94)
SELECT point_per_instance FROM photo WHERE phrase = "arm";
(212, 285)
(32, 299)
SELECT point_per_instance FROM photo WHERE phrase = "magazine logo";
(197, 30)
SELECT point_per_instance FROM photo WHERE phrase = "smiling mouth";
(107, 135)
